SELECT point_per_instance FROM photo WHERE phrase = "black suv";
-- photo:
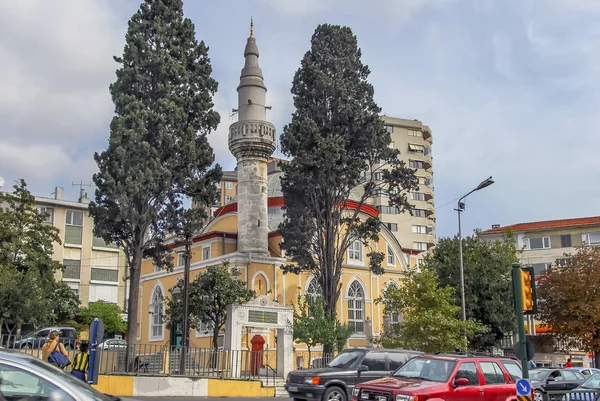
(351, 367)
(36, 339)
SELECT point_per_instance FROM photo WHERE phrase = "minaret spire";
(251, 28)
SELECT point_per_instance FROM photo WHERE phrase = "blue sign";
(523, 387)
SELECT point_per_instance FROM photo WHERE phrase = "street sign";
(523, 390)
(529, 347)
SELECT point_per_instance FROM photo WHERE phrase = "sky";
(509, 88)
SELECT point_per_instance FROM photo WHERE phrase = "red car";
(447, 377)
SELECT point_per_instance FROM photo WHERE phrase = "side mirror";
(363, 368)
(461, 381)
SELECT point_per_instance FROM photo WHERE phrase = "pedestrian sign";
(523, 390)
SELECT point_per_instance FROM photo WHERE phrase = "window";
(19, 384)
(513, 369)
(420, 262)
(427, 151)
(536, 243)
(157, 311)
(49, 213)
(104, 275)
(393, 227)
(562, 262)
(412, 132)
(100, 243)
(416, 163)
(389, 128)
(72, 268)
(355, 251)
(103, 292)
(420, 246)
(375, 361)
(492, 373)
(396, 359)
(391, 258)
(468, 370)
(591, 239)
(228, 185)
(75, 218)
(181, 259)
(540, 268)
(313, 291)
(356, 307)
(419, 229)
(565, 241)
(381, 192)
(74, 287)
(206, 253)
(570, 376)
(206, 328)
(418, 196)
(228, 199)
(425, 181)
(419, 213)
(387, 209)
(416, 148)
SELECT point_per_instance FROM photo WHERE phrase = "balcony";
(427, 134)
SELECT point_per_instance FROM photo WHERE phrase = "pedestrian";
(54, 352)
(81, 362)
(568, 364)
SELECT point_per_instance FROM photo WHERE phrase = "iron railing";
(572, 395)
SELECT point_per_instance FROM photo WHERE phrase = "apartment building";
(545, 244)
(417, 231)
(94, 269)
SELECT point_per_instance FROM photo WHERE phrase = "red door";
(473, 391)
(496, 387)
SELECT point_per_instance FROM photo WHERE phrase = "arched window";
(157, 308)
(356, 307)
(391, 258)
(393, 317)
(313, 291)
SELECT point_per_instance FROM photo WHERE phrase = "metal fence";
(313, 359)
(572, 395)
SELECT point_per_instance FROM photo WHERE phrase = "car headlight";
(402, 397)
(355, 392)
(312, 380)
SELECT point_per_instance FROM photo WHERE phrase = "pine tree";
(158, 144)
(339, 146)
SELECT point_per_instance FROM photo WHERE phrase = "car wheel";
(538, 395)
(334, 393)
(26, 346)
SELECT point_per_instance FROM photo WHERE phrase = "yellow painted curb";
(121, 386)
(238, 388)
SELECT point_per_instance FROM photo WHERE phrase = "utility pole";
(185, 330)
(518, 294)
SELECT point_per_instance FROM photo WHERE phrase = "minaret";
(252, 141)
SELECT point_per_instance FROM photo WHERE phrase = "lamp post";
(461, 208)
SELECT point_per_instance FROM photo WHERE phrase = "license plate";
(382, 398)
(292, 388)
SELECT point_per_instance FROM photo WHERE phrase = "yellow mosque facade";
(244, 235)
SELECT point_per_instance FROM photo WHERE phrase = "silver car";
(26, 377)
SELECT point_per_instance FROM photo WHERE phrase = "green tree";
(340, 151)
(26, 243)
(107, 311)
(569, 299)
(65, 304)
(488, 282)
(431, 321)
(312, 326)
(211, 292)
(158, 137)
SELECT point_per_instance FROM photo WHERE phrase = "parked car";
(461, 377)
(589, 390)
(336, 381)
(113, 343)
(36, 339)
(586, 372)
(553, 379)
(23, 377)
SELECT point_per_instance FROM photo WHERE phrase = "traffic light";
(528, 291)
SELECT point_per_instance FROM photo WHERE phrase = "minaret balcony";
(252, 137)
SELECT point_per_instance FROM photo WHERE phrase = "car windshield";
(432, 369)
(593, 382)
(345, 359)
(537, 375)
(68, 380)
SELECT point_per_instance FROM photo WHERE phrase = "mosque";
(244, 234)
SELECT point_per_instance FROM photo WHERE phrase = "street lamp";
(461, 208)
